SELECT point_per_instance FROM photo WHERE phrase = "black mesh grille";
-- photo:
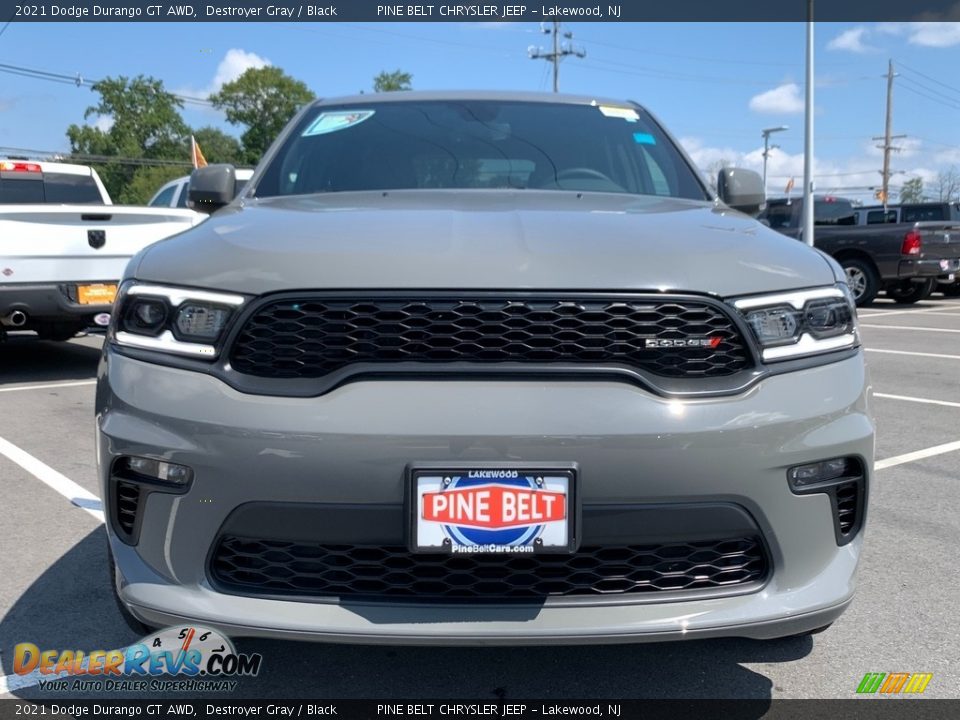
(313, 336)
(251, 566)
(847, 502)
(126, 504)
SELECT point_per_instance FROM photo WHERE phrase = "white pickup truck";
(64, 246)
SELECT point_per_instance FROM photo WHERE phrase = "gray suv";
(480, 368)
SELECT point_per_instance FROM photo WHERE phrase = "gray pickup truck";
(483, 368)
(905, 260)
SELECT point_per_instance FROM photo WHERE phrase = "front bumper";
(352, 447)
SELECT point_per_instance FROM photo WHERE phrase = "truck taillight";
(8, 166)
(912, 243)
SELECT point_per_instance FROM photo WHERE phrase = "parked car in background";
(64, 246)
(949, 285)
(910, 213)
(174, 193)
(478, 369)
(904, 260)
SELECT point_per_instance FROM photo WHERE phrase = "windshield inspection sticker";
(329, 122)
(644, 139)
(628, 114)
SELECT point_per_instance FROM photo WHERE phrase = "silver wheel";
(857, 280)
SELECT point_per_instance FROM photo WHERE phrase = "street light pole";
(767, 132)
(808, 136)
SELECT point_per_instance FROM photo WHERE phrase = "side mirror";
(742, 190)
(211, 188)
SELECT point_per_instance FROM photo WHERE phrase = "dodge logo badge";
(97, 238)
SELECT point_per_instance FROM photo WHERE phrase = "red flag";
(199, 160)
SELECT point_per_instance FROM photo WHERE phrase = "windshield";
(479, 144)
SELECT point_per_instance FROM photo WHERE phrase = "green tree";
(392, 81)
(146, 181)
(145, 123)
(217, 146)
(262, 99)
(912, 191)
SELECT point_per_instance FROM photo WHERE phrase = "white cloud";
(855, 177)
(234, 64)
(925, 34)
(103, 123)
(851, 40)
(934, 34)
(781, 100)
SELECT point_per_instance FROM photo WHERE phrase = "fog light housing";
(805, 476)
(844, 481)
(161, 471)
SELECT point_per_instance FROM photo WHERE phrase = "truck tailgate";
(43, 243)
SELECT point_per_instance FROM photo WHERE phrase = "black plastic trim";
(147, 487)
(831, 487)
(601, 524)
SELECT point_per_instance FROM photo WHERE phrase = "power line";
(927, 77)
(79, 81)
(939, 100)
(85, 158)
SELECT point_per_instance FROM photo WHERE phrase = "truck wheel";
(862, 279)
(907, 293)
(952, 290)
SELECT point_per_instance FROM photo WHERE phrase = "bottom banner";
(915, 709)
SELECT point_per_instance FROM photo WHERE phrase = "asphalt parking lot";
(54, 585)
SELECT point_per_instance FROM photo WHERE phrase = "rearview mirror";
(211, 188)
(742, 190)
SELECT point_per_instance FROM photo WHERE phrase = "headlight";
(797, 324)
(175, 320)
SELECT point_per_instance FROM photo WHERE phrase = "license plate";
(96, 294)
(494, 511)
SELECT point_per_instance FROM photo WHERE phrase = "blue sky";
(715, 86)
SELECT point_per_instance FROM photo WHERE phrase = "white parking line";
(45, 386)
(61, 483)
(874, 313)
(918, 455)
(910, 327)
(911, 352)
(925, 401)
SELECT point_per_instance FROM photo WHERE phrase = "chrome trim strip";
(177, 296)
(166, 342)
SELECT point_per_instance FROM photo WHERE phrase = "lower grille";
(126, 502)
(270, 567)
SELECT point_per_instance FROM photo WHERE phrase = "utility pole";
(767, 147)
(888, 138)
(560, 51)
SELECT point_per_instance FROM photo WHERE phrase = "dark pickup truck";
(905, 260)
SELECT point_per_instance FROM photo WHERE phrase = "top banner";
(519, 11)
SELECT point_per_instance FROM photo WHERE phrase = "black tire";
(862, 278)
(140, 629)
(907, 293)
(952, 290)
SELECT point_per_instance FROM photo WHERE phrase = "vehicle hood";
(457, 240)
